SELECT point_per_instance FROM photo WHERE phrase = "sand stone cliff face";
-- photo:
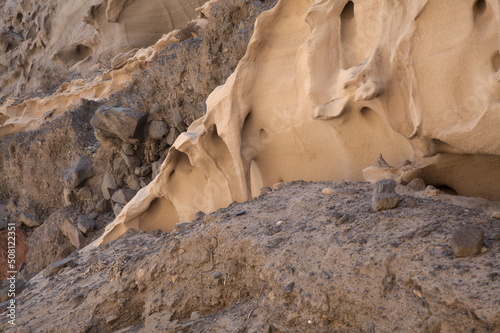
(44, 43)
(324, 88)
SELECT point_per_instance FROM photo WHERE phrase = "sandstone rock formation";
(47, 42)
(324, 88)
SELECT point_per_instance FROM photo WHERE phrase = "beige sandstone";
(53, 39)
(327, 86)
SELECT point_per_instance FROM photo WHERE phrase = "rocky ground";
(306, 257)
(159, 104)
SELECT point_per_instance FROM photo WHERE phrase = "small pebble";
(328, 190)
(278, 185)
(431, 191)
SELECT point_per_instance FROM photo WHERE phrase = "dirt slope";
(292, 260)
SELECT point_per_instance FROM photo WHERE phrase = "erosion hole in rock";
(483, 15)
(495, 61)
(19, 17)
(350, 47)
(479, 7)
(161, 214)
(83, 51)
(348, 11)
(446, 189)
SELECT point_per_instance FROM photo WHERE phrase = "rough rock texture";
(122, 123)
(33, 164)
(288, 261)
(48, 244)
(44, 42)
(295, 109)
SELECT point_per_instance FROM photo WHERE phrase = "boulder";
(85, 224)
(47, 243)
(78, 173)
(467, 241)
(133, 182)
(132, 162)
(157, 129)
(143, 171)
(108, 185)
(117, 209)
(384, 195)
(117, 122)
(102, 206)
(123, 196)
(55, 267)
(128, 149)
(28, 220)
(72, 232)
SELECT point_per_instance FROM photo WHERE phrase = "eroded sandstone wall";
(327, 86)
(44, 43)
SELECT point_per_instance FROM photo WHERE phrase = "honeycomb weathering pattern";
(324, 88)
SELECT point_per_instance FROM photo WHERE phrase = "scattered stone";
(178, 120)
(199, 215)
(123, 196)
(195, 315)
(108, 185)
(11, 205)
(431, 191)
(467, 241)
(111, 319)
(278, 185)
(217, 275)
(93, 215)
(344, 219)
(328, 190)
(143, 182)
(496, 215)
(133, 182)
(55, 267)
(78, 173)
(158, 129)
(85, 224)
(181, 226)
(289, 287)
(73, 233)
(102, 206)
(84, 194)
(117, 209)
(143, 171)
(116, 122)
(240, 212)
(156, 167)
(119, 165)
(132, 162)
(128, 149)
(279, 222)
(416, 184)
(69, 197)
(172, 136)
(29, 220)
(265, 190)
(384, 195)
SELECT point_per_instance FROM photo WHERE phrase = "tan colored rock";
(323, 90)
